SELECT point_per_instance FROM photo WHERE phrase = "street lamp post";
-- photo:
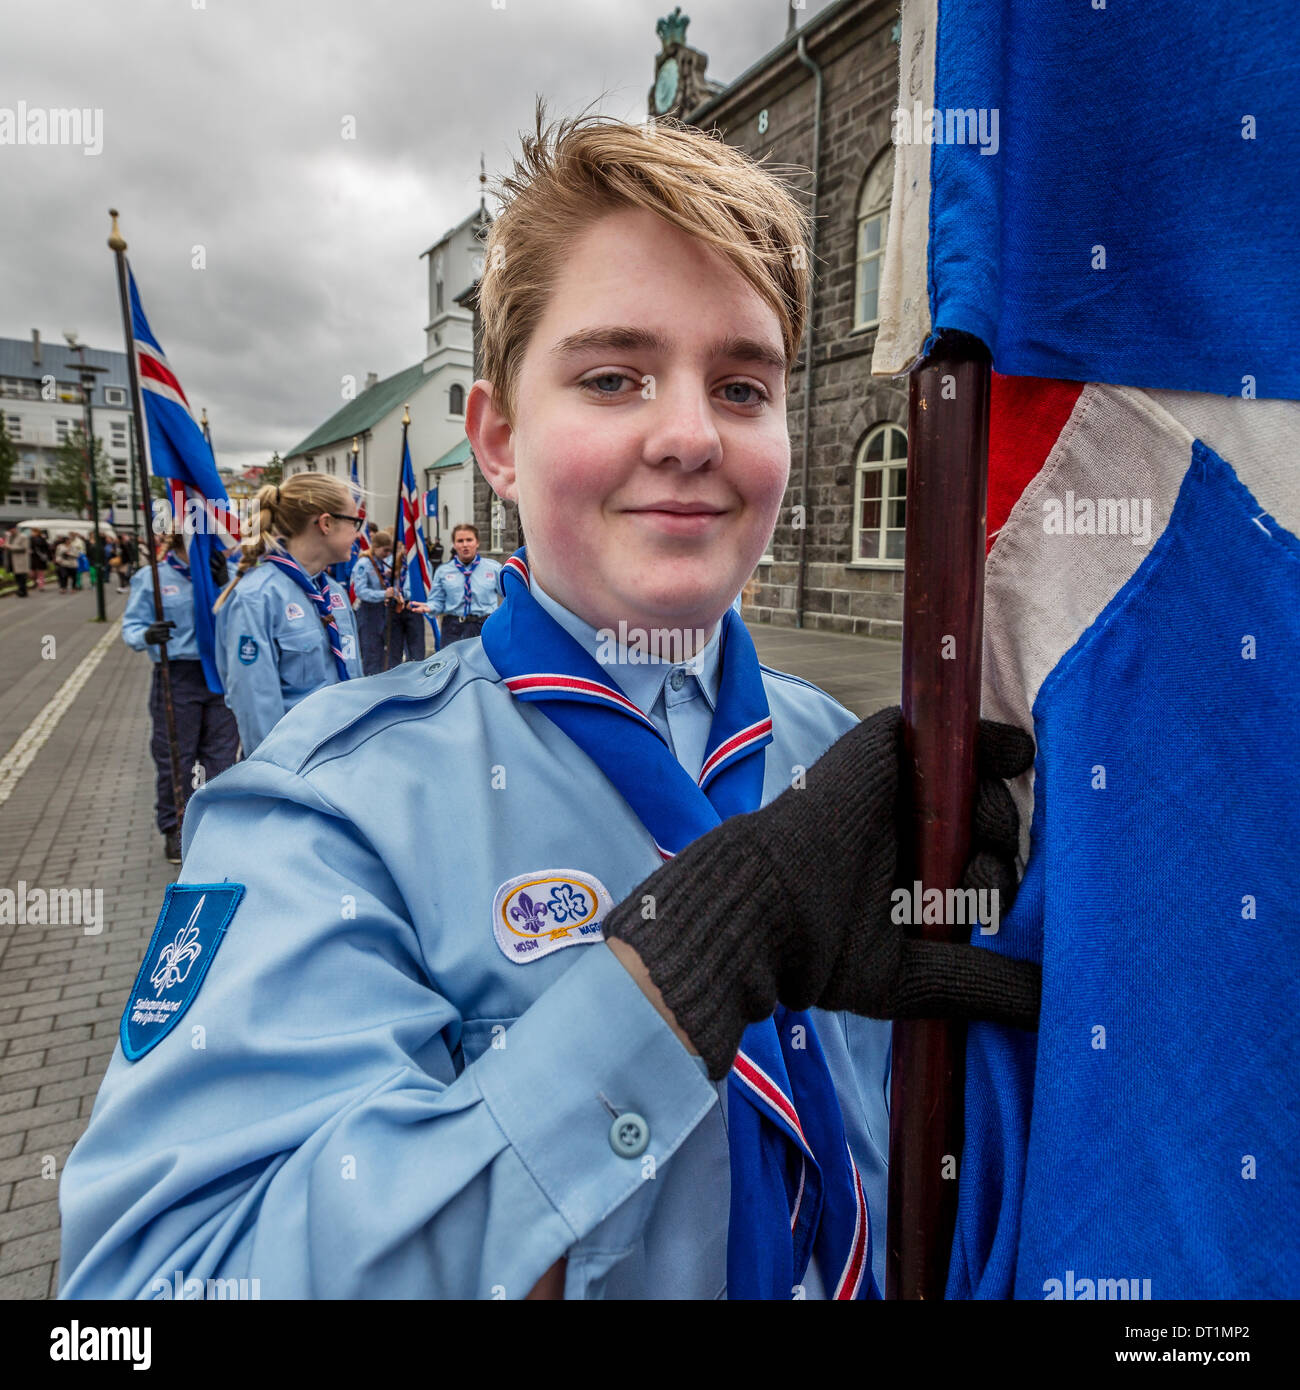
(87, 372)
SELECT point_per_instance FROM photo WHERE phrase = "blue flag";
(178, 451)
(1099, 194)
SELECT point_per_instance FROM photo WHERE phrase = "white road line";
(15, 762)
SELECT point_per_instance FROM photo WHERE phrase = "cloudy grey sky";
(222, 127)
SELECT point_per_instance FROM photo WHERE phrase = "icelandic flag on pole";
(416, 563)
(1132, 223)
(1098, 193)
(177, 451)
(1142, 618)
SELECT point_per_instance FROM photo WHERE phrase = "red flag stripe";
(155, 368)
(1026, 417)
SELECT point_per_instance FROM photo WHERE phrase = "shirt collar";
(641, 680)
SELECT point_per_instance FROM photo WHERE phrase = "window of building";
(119, 468)
(114, 395)
(456, 404)
(311, 466)
(437, 290)
(880, 498)
(14, 426)
(62, 429)
(329, 464)
(873, 223)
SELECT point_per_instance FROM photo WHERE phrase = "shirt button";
(629, 1135)
(677, 679)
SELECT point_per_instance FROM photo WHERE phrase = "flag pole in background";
(360, 546)
(398, 547)
(118, 246)
(943, 614)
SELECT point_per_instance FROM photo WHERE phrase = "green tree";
(68, 487)
(273, 471)
(8, 457)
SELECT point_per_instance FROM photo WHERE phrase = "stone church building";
(821, 99)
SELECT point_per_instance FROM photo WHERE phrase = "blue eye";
(591, 384)
(606, 376)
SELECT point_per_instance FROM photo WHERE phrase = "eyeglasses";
(357, 521)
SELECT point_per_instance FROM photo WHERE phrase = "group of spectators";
(29, 555)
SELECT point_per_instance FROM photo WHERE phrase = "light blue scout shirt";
(366, 582)
(178, 605)
(273, 649)
(448, 595)
(374, 1094)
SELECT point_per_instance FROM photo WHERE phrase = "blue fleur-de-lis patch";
(193, 920)
(545, 911)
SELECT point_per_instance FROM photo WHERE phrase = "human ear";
(492, 440)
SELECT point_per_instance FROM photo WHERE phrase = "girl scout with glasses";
(597, 1035)
(284, 628)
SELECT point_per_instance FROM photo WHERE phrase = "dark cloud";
(222, 129)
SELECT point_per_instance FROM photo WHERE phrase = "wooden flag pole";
(398, 546)
(943, 617)
(118, 246)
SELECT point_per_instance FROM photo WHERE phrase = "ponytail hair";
(381, 538)
(283, 512)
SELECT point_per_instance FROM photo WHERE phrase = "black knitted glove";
(158, 633)
(792, 903)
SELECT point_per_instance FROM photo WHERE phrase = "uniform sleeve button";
(629, 1135)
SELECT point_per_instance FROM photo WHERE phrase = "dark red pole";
(943, 618)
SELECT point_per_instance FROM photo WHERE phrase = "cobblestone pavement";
(80, 815)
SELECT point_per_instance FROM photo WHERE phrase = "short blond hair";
(576, 171)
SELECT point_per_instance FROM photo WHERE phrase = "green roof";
(367, 409)
(454, 456)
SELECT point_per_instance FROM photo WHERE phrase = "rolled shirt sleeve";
(139, 611)
(305, 1123)
(366, 581)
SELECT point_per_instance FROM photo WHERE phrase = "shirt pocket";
(301, 647)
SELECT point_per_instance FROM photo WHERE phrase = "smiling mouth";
(679, 509)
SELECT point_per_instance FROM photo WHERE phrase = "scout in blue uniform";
(205, 729)
(284, 629)
(372, 579)
(381, 1050)
(372, 584)
(466, 588)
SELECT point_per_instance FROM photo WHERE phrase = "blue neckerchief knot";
(467, 571)
(176, 563)
(318, 591)
(795, 1190)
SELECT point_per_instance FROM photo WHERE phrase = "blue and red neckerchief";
(795, 1190)
(318, 591)
(178, 565)
(467, 571)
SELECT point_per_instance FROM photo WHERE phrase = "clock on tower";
(680, 84)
